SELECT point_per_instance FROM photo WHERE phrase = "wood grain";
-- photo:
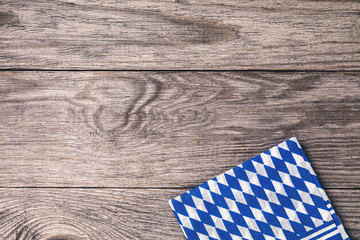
(171, 129)
(95, 155)
(92, 214)
(180, 34)
(103, 214)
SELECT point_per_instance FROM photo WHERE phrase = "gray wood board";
(180, 34)
(171, 129)
(104, 214)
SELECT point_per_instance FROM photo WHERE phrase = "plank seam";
(170, 70)
(140, 188)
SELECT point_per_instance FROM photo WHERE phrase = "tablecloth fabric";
(275, 195)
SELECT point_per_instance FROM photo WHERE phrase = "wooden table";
(110, 108)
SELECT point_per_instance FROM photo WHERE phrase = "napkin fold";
(275, 195)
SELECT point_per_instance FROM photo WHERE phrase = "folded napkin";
(275, 195)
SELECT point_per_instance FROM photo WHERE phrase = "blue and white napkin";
(275, 195)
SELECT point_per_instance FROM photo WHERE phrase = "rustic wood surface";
(96, 155)
(180, 34)
(171, 129)
(102, 214)
(89, 153)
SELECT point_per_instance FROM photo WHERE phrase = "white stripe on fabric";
(332, 226)
(342, 232)
(329, 235)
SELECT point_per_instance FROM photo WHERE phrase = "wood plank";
(180, 34)
(171, 129)
(92, 214)
(99, 214)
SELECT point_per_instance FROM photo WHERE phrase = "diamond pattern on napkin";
(275, 195)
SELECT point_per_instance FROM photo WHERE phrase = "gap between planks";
(176, 70)
(142, 188)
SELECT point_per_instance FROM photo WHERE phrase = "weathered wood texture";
(171, 129)
(149, 136)
(106, 214)
(180, 34)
